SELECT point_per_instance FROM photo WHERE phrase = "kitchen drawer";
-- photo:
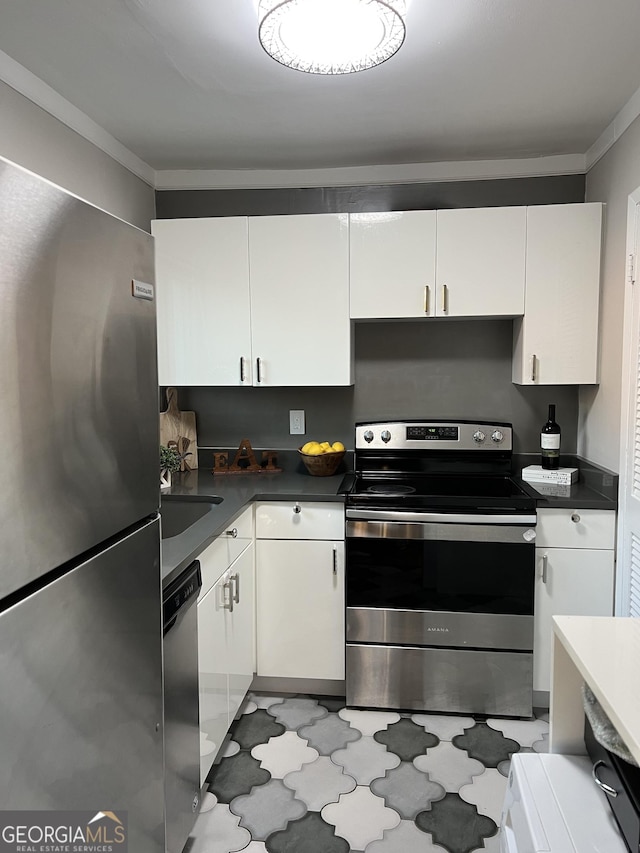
(299, 520)
(216, 559)
(580, 528)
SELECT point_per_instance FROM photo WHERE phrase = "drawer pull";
(426, 299)
(233, 533)
(335, 561)
(609, 791)
(575, 517)
(297, 509)
(545, 560)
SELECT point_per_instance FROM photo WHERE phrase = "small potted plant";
(169, 462)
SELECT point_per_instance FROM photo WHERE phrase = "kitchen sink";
(179, 514)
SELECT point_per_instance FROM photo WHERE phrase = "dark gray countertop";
(237, 491)
(596, 489)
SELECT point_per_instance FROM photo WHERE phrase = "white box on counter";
(553, 490)
(560, 476)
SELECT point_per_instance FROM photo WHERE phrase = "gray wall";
(182, 204)
(425, 369)
(611, 180)
(35, 140)
(422, 369)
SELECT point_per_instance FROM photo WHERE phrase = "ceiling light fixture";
(331, 36)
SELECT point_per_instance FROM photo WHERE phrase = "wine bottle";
(550, 441)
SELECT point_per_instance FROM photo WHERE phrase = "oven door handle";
(481, 534)
(442, 517)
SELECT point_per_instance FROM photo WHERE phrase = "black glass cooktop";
(420, 492)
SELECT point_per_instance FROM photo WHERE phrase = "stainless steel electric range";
(440, 557)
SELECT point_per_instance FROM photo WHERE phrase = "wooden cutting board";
(179, 428)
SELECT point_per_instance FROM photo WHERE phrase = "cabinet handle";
(227, 603)
(426, 299)
(233, 533)
(241, 369)
(544, 567)
(533, 368)
(602, 785)
(297, 509)
(575, 517)
(445, 299)
(235, 579)
(335, 561)
(258, 369)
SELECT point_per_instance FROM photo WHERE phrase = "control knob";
(368, 436)
(479, 436)
(385, 436)
(497, 435)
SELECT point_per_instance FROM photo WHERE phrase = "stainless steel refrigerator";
(80, 591)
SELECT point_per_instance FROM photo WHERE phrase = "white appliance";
(553, 806)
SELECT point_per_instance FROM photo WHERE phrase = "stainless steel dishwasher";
(181, 716)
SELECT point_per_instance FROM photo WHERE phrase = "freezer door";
(81, 691)
(78, 377)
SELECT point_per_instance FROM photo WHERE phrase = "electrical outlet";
(296, 422)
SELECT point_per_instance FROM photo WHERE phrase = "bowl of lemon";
(321, 458)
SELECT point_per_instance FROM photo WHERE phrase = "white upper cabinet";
(445, 263)
(261, 301)
(481, 262)
(557, 340)
(300, 300)
(202, 294)
(393, 264)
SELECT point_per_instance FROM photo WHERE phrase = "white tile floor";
(306, 775)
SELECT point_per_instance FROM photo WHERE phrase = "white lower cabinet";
(575, 564)
(300, 612)
(226, 634)
(300, 590)
(240, 634)
(213, 686)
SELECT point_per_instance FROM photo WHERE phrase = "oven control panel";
(435, 435)
(432, 433)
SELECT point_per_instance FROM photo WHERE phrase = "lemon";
(314, 450)
(305, 447)
(326, 447)
(338, 446)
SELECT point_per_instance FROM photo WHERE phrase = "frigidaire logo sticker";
(63, 832)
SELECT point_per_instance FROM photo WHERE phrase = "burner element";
(391, 491)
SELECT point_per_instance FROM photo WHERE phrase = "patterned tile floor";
(304, 774)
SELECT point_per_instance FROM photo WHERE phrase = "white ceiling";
(184, 84)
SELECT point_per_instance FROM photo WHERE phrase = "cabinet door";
(300, 323)
(480, 262)
(392, 264)
(202, 295)
(212, 674)
(574, 582)
(300, 608)
(557, 340)
(241, 630)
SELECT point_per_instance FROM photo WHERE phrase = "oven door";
(460, 581)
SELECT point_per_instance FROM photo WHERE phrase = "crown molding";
(625, 117)
(44, 96)
(40, 93)
(561, 164)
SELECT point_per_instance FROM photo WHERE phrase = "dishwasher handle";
(180, 595)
